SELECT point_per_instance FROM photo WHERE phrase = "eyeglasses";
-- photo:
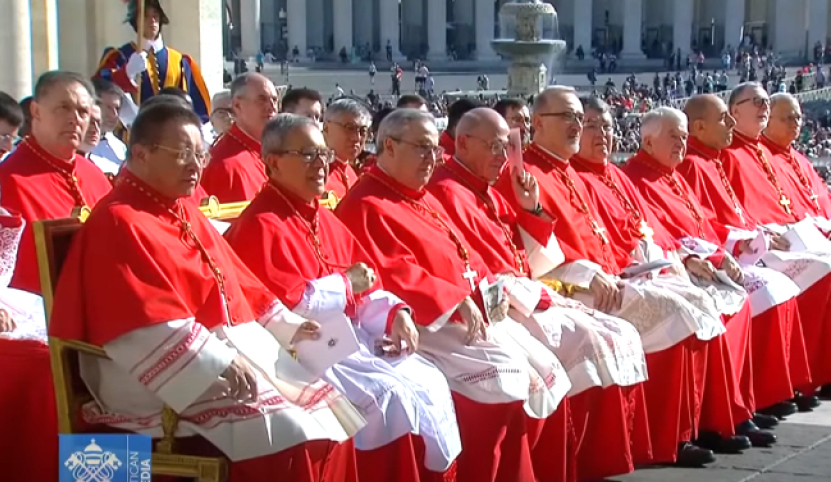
(311, 155)
(572, 117)
(496, 147)
(596, 126)
(7, 139)
(520, 119)
(183, 156)
(757, 101)
(424, 150)
(361, 130)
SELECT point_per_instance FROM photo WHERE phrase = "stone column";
(78, 50)
(682, 27)
(485, 19)
(437, 29)
(632, 26)
(583, 25)
(817, 24)
(390, 28)
(362, 17)
(44, 15)
(733, 23)
(196, 29)
(296, 19)
(16, 53)
(342, 29)
(249, 26)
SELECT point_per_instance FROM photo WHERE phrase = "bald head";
(558, 121)
(482, 141)
(785, 122)
(709, 121)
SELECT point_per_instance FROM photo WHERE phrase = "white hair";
(279, 128)
(347, 106)
(783, 97)
(652, 123)
(398, 122)
(221, 95)
(541, 100)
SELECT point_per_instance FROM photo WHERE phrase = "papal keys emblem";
(93, 464)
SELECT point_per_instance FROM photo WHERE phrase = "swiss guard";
(143, 73)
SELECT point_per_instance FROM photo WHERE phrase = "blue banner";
(105, 458)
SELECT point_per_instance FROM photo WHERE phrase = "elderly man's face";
(303, 164)
(172, 166)
(485, 150)
(670, 145)
(559, 124)
(414, 155)
(222, 115)
(346, 134)
(93, 134)
(60, 117)
(752, 111)
(598, 136)
(256, 106)
(785, 122)
(520, 118)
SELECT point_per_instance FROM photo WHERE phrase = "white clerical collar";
(153, 45)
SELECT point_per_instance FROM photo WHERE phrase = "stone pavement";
(803, 454)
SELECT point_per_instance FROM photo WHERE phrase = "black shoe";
(765, 421)
(723, 445)
(825, 392)
(758, 438)
(691, 456)
(779, 410)
(806, 403)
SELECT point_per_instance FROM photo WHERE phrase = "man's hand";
(733, 270)
(701, 268)
(526, 188)
(6, 322)
(473, 319)
(607, 296)
(361, 276)
(242, 382)
(136, 65)
(308, 330)
(404, 330)
(779, 243)
(500, 311)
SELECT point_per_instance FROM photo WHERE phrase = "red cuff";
(717, 258)
(14, 220)
(391, 315)
(351, 308)
(545, 301)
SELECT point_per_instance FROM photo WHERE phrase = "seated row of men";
(557, 320)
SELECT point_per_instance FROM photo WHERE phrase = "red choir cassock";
(675, 390)
(811, 189)
(236, 172)
(606, 419)
(623, 211)
(38, 185)
(160, 277)
(341, 178)
(763, 357)
(704, 171)
(422, 259)
(448, 143)
(288, 243)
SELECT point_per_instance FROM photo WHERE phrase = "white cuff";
(282, 324)
(323, 297)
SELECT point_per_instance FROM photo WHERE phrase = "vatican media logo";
(105, 458)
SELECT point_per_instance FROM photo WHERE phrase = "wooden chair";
(212, 209)
(53, 239)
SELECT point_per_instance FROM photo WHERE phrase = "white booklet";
(336, 342)
(492, 295)
(638, 269)
(804, 236)
(758, 247)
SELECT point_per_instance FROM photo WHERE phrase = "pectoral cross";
(470, 276)
(814, 198)
(785, 203)
(646, 231)
(599, 232)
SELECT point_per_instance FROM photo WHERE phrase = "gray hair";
(595, 104)
(279, 128)
(541, 100)
(783, 97)
(221, 95)
(240, 83)
(652, 123)
(739, 90)
(347, 106)
(397, 122)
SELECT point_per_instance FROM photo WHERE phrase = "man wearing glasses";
(516, 113)
(236, 172)
(316, 266)
(346, 125)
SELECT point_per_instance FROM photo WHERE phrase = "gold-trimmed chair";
(53, 239)
(212, 209)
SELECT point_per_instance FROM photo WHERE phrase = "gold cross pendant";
(646, 232)
(785, 203)
(599, 232)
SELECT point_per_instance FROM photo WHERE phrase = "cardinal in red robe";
(45, 178)
(676, 335)
(306, 256)
(185, 324)
(603, 355)
(768, 192)
(771, 294)
(499, 374)
(346, 125)
(236, 172)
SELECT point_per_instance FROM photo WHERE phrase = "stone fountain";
(529, 37)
